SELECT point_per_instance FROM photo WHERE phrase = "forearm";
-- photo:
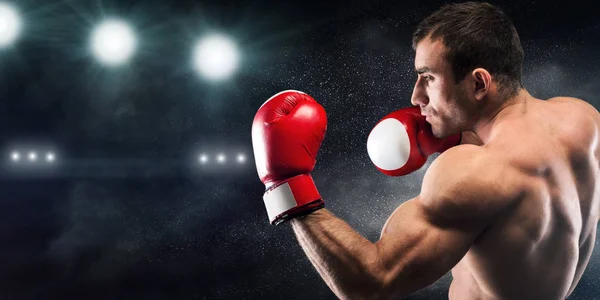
(347, 261)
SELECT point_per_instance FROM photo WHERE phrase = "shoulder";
(468, 181)
(572, 100)
(580, 105)
(583, 118)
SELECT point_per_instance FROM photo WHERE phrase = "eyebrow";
(422, 70)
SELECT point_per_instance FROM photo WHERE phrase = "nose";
(419, 96)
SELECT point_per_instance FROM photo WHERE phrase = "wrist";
(291, 198)
(312, 216)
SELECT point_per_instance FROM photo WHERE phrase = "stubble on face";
(450, 121)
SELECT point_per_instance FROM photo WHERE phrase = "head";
(468, 56)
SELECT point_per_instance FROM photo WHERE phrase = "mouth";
(428, 118)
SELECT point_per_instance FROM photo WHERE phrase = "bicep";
(415, 250)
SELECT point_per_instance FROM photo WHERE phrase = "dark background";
(126, 214)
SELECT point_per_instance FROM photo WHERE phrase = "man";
(511, 210)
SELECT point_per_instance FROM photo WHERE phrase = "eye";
(426, 77)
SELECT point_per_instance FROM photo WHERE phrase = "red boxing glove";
(287, 132)
(401, 142)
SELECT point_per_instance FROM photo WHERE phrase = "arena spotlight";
(241, 158)
(221, 158)
(32, 156)
(216, 57)
(10, 25)
(50, 157)
(15, 156)
(113, 42)
(203, 158)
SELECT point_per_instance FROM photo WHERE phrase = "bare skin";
(512, 212)
(539, 246)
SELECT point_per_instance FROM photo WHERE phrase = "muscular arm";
(344, 258)
(423, 239)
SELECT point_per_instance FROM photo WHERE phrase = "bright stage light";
(10, 25)
(32, 156)
(15, 156)
(50, 157)
(241, 158)
(221, 158)
(113, 42)
(216, 57)
(203, 159)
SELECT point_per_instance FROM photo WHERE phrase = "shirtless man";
(512, 210)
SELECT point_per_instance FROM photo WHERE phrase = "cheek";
(439, 95)
(438, 103)
(435, 99)
(451, 100)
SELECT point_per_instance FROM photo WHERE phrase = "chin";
(437, 133)
(440, 133)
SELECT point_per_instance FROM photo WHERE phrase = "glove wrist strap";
(294, 197)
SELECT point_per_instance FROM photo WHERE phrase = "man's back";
(539, 248)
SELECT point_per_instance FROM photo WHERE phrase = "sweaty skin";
(512, 212)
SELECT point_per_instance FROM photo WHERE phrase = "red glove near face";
(287, 132)
(401, 142)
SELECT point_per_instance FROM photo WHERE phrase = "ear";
(483, 82)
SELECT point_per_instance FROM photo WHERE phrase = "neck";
(495, 112)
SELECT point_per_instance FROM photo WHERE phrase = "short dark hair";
(477, 35)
